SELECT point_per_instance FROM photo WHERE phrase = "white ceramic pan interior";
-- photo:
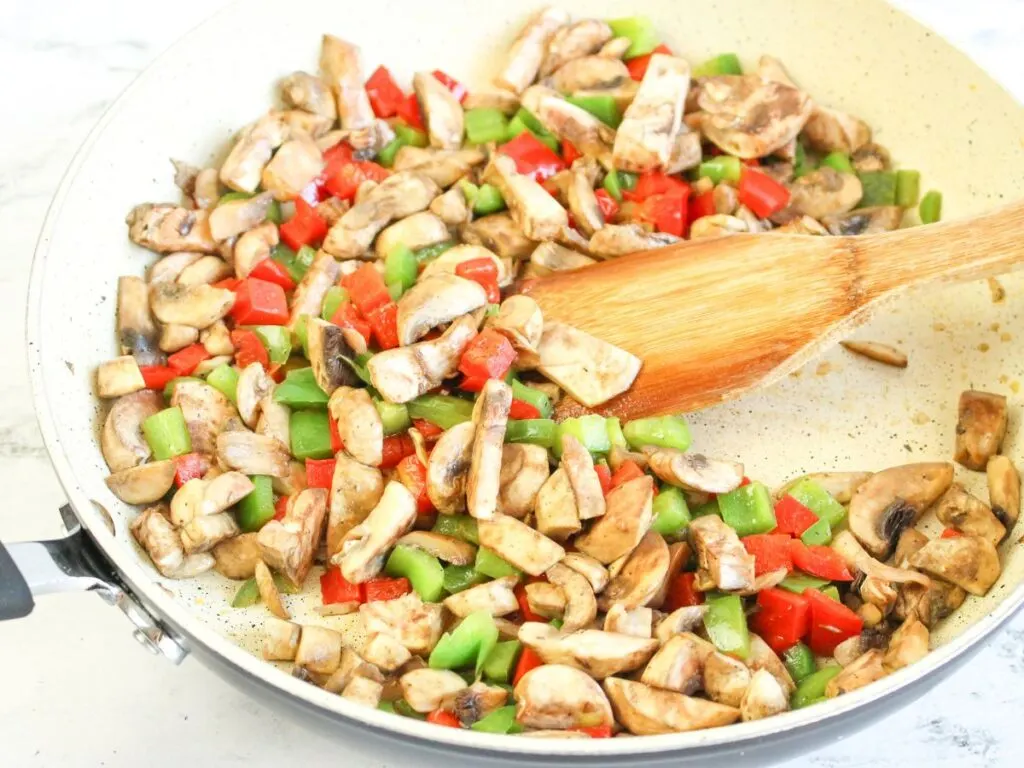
(930, 106)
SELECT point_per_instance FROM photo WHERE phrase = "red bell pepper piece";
(272, 272)
(682, 591)
(337, 157)
(189, 467)
(441, 717)
(336, 444)
(249, 349)
(569, 152)
(185, 360)
(490, 355)
(831, 622)
(782, 619)
(667, 211)
(524, 605)
(533, 157)
(483, 271)
(409, 112)
(345, 181)
(702, 205)
(744, 481)
(335, 589)
(594, 731)
(522, 410)
(383, 588)
(258, 302)
(366, 288)
(771, 551)
(429, 430)
(281, 507)
(604, 476)
(157, 376)
(609, 207)
(348, 316)
(473, 383)
(320, 473)
(652, 183)
(823, 562)
(385, 95)
(628, 470)
(459, 91)
(413, 475)
(528, 659)
(792, 517)
(304, 228)
(761, 193)
(950, 533)
(228, 284)
(637, 66)
(384, 322)
(396, 448)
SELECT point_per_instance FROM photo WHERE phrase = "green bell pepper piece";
(879, 188)
(431, 252)
(812, 688)
(721, 168)
(819, 501)
(671, 515)
(424, 571)
(394, 416)
(300, 390)
(401, 267)
(501, 720)
(662, 431)
(403, 708)
(167, 434)
(395, 291)
(798, 582)
(297, 264)
(485, 124)
(604, 108)
(707, 508)
(386, 156)
(488, 200)
(489, 564)
(831, 591)
(460, 577)
(535, 431)
(277, 340)
(169, 387)
(931, 207)
(300, 332)
(818, 534)
(615, 434)
(310, 435)
(726, 625)
(908, 188)
(358, 366)
(387, 706)
(333, 299)
(799, 662)
(722, 64)
(471, 642)
(230, 197)
(590, 430)
(462, 527)
(524, 120)
(802, 164)
(500, 665)
(534, 397)
(445, 411)
(412, 137)
(612, 186)
(748, 510)
(247, 595)
(224, 378)
(274, 212)
(640, 30)
(257, 507)
(839, 161)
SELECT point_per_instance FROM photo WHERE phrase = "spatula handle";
(967, 249)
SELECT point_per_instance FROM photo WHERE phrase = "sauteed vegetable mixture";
(328, 382)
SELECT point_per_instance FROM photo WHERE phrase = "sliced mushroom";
(555, 512)
(448, 468)
(365, 547)
(573, 41)
(201, 497)
(624, 524)
(678, 556)
(681, 620)
(269, 593)
(557, 258)
(294, 166)
(881, 353)
(524, 472)
(641, 576)
(385, 651)
(232, 218)
(253, 247)
(309, 294)
(830, 130)
(762, 658)
(695, 471)
(863, 671)
(451, 208)
(804, 225)
(302, 90)
(725, 679)
(646, 711)
(600, 654)
(865, 221)
(252, 454)
(679, 664)
(281, 639)
(361, 690)
(426, 689)
(968, 514)
(534, 211)
(167, 268)
(136, 330)
(587, 73)
(871, 157)
(442, 166)
(205, 271)
(476, 702)
(122, 442)
(403, 374)
(436, 301)
(545, 599)
(236, 557)
(447, 548)
(1004, 490)
(217, 339)
(175, 337)
(340, 69)
(591, 370)
(529, 49)
(118, 377)
(720, 554)
(359, 424)
(329, 353)
(646, 139)
(495, 597)
(441, 111)
(288, 545)
(970, 562)
(490, 414)
(911, 540)
(559, 696)
(143, 484)
(824, 192)
(894, 499)
(748, 117)
(416, 624)
(908, 644)
(521, 321)
(332, 209)
(417, 231)
(586, 485)
(763, 698)
(588, 567)
(244, 165)
(519, 544)
(929, 604)
(980, 428)
(622, 239)
(319, 650)
(580, 605)
(253, 385)
(500, 234)
(207, 413)
(571, 123)
(717, 225)
(158, 537)
(198, 306)
(168, 228)
(355, 490)
(840, 485)
(504, 101)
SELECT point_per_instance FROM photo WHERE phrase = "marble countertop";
(78, 690)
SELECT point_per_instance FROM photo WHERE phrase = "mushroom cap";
(642, 575)
(122, 442)
(435, 301)
(764, 697)
(600, 654)
(559, 697)
(646, 711)
(969, 562)
(580, 604)
(447, 548)
(448, 468)
(327, 353)
(253, 385)
(143, 484)
(628, 518)
(695, 471)
(198, 306)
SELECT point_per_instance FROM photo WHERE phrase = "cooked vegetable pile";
(326, 378)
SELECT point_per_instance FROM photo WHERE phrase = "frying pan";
(933, 108)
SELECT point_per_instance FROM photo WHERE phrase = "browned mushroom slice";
(824, 192)
(236, 557)
(252, 454)
(646, 139)
(281, 639)
(495, 597)
(624, 524)
(452, 208)
(408, 372)
(911, 540)
(980, 428)
(253, 385)
(355, 490)
(1004, 490)
(589, 73)
(442, 112)
(329, 356)
(168, 267)
(968, 514)
(567, 121)
(907, 645)
(583, 204)
(414, 232)
(207, 413)
(862, 671)
(499, 233)
(580, 604)
(725, 679)
(476, 702)
(892, 500)
(545, 599)
(560, 696)
(581, 38)
(442, 166)
(557, 258)
(297, 163)
(436, 301)
(448, 468)
(198, 306)
(529, 48)
(720, 554)
(490, 414)
(250, 154)
(586, 485)
(881, 353)
(302, 90)
(217, 339)
(641, 576)
(143, 484)
(646, 711)
(830, 130)
(361, 690)
(426, 689)
(534, 211)
(685, 619)
(717, 225)
(252, 248)
(616, 48)
(678, 556)
(319, 650)
(771, 70)
(591, 370)
(599, 654)
(871, 157)
(232, 218)
(365, 546)
(748, 117)
(519, 544)
(588, 567)
(359, 424)
(302, 124)
(269, 593)
(638, 622)
(449, 261)
(288, 545)
(929, 604)
(521, 321)
(762, 657)
(340, 69)
(621, 239)
(524, 471)
(169, 228)
(136, 331)
(804, 225)
(416, 624)
(970, 562)
(679, 664)
(309, 294)
(122, 442)
(385, 651)
(555, 511)
(447, 548)
(495, 98)
(162, 543)
(763, 698)
(865, 221)
(695, 471)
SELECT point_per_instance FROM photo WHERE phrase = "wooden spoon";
(713, 318)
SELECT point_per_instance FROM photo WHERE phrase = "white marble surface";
(77, 690)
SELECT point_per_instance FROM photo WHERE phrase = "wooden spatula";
(712, 319)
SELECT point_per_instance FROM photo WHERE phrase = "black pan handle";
(15, 596)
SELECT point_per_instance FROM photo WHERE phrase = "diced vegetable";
(500, 664)
(726, 625)
(224, 378)
(396, 448)
(818, 534)
(382, 588)
(460, 577)
(609, 208)
(443, 718)
(879, 188)
(385, 95)
(799, 662)
(484, 272)
(423, 570)
(501, 720)
(532, 156)
(310, 435)
(333, 299)
(247, 595)
(304, 228)
(335, 589)
(461, 527)
(444, 411)
(792, 517)
(167, 434)
(489, 564)
(637, 66)
(256, 508)
(189, 466)
(300, 390)
(185, 360)
(683, 592)
(798, 582)
(401, 267)
(671, 515)
(831, 622)
(489, 356)
(431, 252)
(295, 263)
(802, 164)
(771, 551)
(534, 397)
(528, 659)
(413, 475)
(930, 209)
(748, 510)
(641, 32)
(320, 472)
(535, 431)
(721, 168)
(487, 200)
(411, 137)
(394, 416)
(272, 272)
(761, 193)
(604, 107)
(277, 340)
(722, 64)
(839, 161)
(811, 689)
(249, 349)
(823, 562)
(630, 470)
(471, 642)
(819, 501)
(258, 302)
(485, 124)
(524, 122)
(782, 618)
(660, 431)
(386, 157)
(590, 430)
(367, 289)
(615, 433)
